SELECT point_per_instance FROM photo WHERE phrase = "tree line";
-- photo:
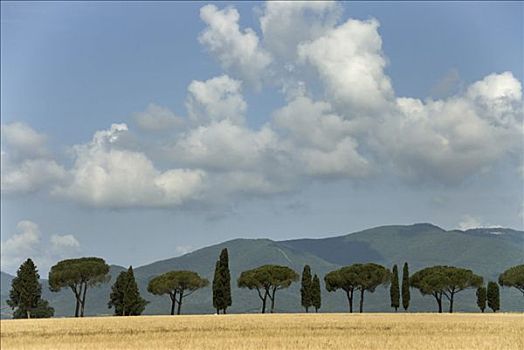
(78, 275)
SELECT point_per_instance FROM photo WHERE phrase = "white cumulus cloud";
(451, 139)
(238, 51)
(216, 99)
(350, 63)
(28, 242)
(104, 175)
(285, 24)
(26, 163)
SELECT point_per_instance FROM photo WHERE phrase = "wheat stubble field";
(277, 331)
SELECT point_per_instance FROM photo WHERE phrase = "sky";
(139, 131)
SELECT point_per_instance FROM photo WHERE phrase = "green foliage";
(226, 277)
(266, 280)
(316, 297)
(26, 292)
(78, 275)
(306, 288)
(394, 290)
(405, 287)
(481, 298)
(346, 279)
(42, 310)
(370, 276)
(125, 296)
(493, 295)
(444, 281)
(222, 283)
(513, 277)
(430, 281)
(176, 284)
(363, 277)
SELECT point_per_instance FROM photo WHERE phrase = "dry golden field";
(278, 331)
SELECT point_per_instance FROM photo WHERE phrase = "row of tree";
(78, 275)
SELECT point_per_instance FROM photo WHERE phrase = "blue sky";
(378, 113)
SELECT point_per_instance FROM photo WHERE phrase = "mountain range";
(486, 251)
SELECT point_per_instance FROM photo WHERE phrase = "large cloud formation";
(341, 120)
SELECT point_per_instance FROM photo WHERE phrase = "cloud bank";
(341, 120)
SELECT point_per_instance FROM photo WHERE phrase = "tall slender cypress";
(316, 298)
(305, 289)
(481, 298)
(222, 283)
(405, 287)
(493, 295)
(394, 290)
(218, 288)
(226, 278)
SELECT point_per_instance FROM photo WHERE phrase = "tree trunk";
(350, 300)
(451, 304)
(361, 300)
(28, 313)
(173, 302)
(439, 303)
(180, 303)
(224, 310)
(77, 298)
(272, 297)
(264, 304)
(307, 309)
(83, 300)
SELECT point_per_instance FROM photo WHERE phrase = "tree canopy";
(513, 277)
(266, 280)
(26, 293)
(406, 295)
(370, 276)
(445, 281)
(176, 284)
(222, 283)
(125, 296)
(316, 296)
(345, 278)
(306, 288)
(493, 296)
(481, 298)
(78, 275)
(394, 290)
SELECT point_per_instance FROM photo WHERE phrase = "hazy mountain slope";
(5, 284)
(422, 245)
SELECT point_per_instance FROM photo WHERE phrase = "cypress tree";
(218, 288)
(226, 278)
(222, 283)
(481, 298)
(394, 290)
(493, 296)
(405, 287)
(315, 293)
(25, 294)
(305, 289)
(125, 296)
